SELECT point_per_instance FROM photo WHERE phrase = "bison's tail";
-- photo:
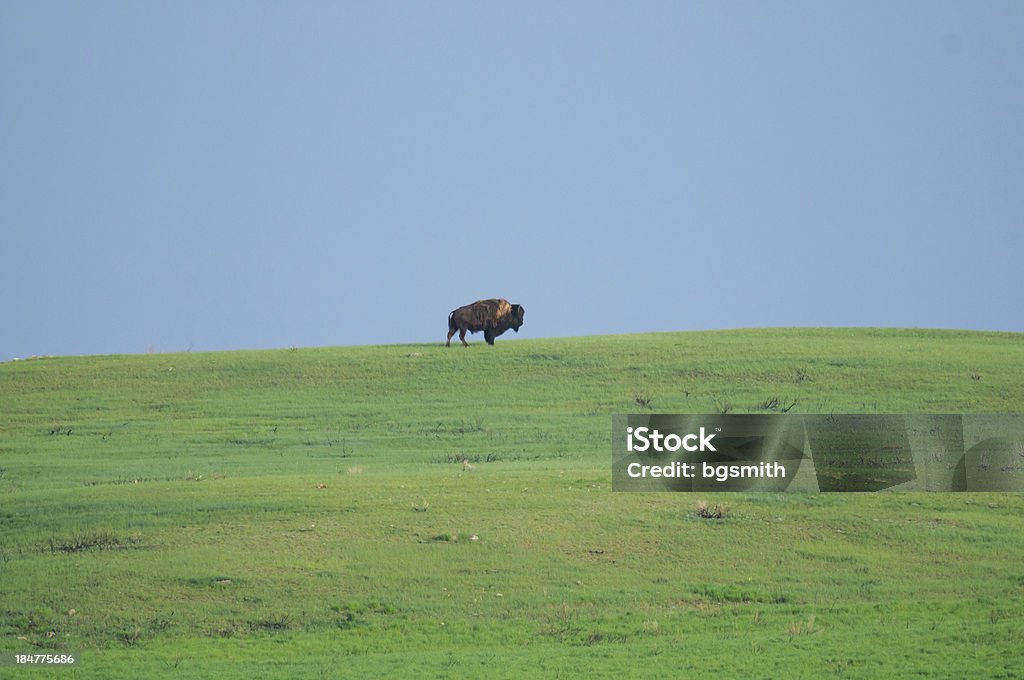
(451, 321)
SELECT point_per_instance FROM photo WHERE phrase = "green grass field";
(307, 513)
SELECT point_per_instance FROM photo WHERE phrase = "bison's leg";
(462, 336)
(489, 335)
(451, 332)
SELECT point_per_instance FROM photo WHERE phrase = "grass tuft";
(705, 511)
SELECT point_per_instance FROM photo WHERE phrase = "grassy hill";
(307, 513)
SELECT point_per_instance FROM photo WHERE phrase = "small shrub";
(100, 540)
(349, 616)
(800, 628)
(716, 511)
(562, 625)
(776, 404)
(129, 636)
(275, 621)
(643, 400)
(493, 457)
(34, 621)
(838, 666)
(651, 627)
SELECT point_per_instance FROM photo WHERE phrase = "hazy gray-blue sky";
(233, 175)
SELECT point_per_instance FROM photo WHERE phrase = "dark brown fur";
(493, 317)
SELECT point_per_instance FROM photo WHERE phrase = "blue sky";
(230, 175)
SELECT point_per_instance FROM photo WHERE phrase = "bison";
(493, 317)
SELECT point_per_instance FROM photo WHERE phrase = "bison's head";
(517, 317)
